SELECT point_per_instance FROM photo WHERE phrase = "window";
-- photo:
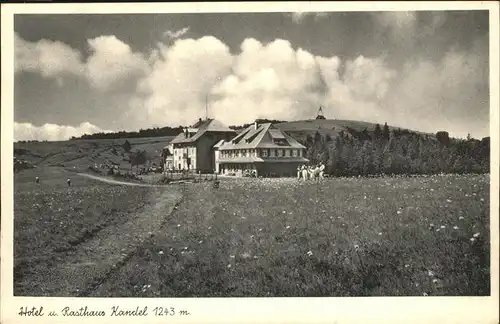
(280, 152)
(265, 152)
(287, 152)
(273, 153)
(294, 152)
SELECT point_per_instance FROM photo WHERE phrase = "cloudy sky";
(78, 74)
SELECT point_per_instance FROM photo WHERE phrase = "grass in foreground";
(52, 219)
(344, 237)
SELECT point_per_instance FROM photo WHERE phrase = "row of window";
(184, 158)
(261, 153)
(182, 151)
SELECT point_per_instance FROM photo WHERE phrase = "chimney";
(199, 119)
(255, 125)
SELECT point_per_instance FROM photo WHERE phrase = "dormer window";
(279, 141)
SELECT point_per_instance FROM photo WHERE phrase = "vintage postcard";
(319, 162)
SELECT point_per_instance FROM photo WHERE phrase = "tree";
(138, 158)
(309, 140)
(385, 132)
(364, 136)
(443, 137)
(317, 137)
(377, 133)
(378, 160)
(127, 146)
(368, 163)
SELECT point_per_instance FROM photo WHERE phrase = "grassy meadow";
(52, 220)
(82, 153)
(341, 237)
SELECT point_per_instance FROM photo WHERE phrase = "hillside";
(331, 127)
(347, 148)
(82, 153)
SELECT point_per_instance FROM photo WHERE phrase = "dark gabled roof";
(264, 136)
(219, 144)
(202, 127)
(276, 134)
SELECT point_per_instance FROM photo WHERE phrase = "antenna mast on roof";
(206, 106)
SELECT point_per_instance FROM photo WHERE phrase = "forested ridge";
(150, 132)
(383, 151)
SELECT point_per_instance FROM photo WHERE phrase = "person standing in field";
(310, 172)
(305, 172)
(298, 172)
(321, 170)
(315, 172)
(68, 182)
(37, 180)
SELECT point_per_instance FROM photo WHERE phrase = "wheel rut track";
(89, 263)
(125, 258)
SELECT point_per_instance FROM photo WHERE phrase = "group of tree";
(150, 132)
(396, 151)
(138, 158)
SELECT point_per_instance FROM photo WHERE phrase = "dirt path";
(112, 181)
(80, 271)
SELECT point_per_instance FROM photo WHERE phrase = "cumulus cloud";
(368, 78)
(451, 94)
(113, 63)
(274, 80)
(52, 132)
(177, 33)
(110, 65)
(277, 81)
(181, 78)
(271, 80)
(407, 27)
(50, 59)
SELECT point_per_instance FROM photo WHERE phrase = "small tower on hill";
(320, 113)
